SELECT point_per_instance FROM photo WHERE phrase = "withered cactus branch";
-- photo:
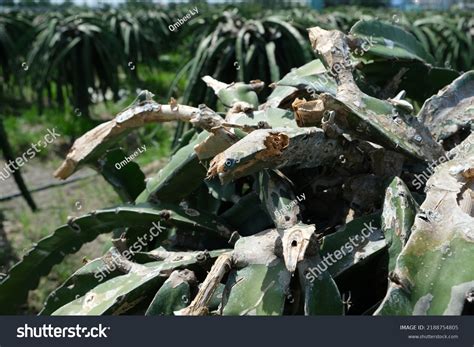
(198, 306)
(89, 145)
(300, 178)
(394, 126)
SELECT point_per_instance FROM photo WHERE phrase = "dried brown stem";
(131, 118)
(332, 46)
(198, 306)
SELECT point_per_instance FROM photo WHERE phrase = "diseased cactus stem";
(101, 137)
(198, 306)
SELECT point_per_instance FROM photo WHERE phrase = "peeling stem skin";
(89, 144)
(261, 248)
(115, 260)
(350, 102)
(198, 306)
(399, 210)
(277, 195)
(162, 254)
(240, 95)
(215, 143)
(448, 111)
(442, 239)
(332, 47)
(131, 118)
(308, 113)
(277, 148)
(216, 85)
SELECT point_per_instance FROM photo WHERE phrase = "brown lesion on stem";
(308, 113)
(218, 165)
(275, 143)
(271, 144)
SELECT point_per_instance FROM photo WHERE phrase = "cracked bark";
(358, 114)
(442, 238)
(198, 306)
(277, 148)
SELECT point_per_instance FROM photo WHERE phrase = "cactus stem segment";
(198, 306)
